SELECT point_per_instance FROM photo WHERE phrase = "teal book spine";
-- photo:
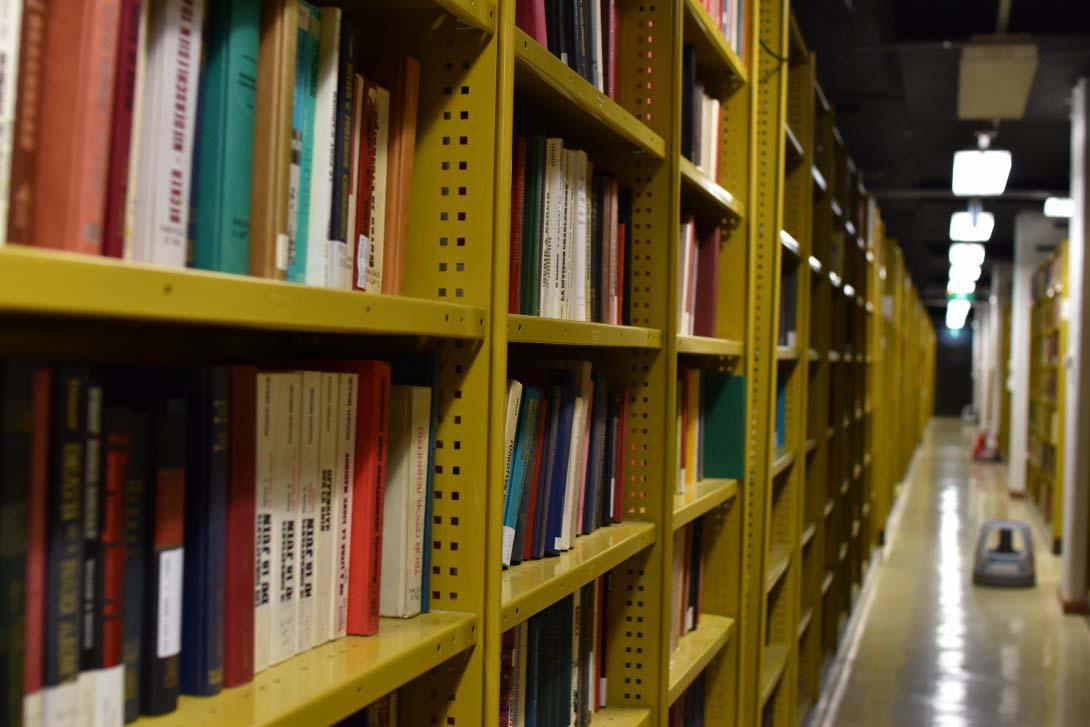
(724, 431)
(221, 235)
(302, 133)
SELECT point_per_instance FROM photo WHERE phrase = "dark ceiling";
(890, 68)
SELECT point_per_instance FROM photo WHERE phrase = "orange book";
(76, 107)
(27, 131)
(402, 76)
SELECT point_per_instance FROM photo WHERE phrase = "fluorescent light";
(1059, 207)
(967, 227)
(961, 273)
(954, 321)
(981, 172)
(966, 254)
(960, 287)
(959, 306)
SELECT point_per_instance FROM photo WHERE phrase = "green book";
(302, 136)
(530, 284)
(724, 434)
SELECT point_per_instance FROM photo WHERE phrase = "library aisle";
(933, 649)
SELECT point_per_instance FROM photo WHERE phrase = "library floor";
(933, 649)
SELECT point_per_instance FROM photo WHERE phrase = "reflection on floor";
(935, 650)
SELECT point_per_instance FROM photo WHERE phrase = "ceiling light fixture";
(1059, 207)
(966, 254)
(960, 287)
(964, 273)
(971, 226)
(981, 172)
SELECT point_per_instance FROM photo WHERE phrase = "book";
(27, 128)
(343, 493)
(724, 433)
(322, 171)
(325, 531)
(92, 483)
(524, 533)
(371, 258)
(11, 17)
(707, 283)
(37, 542)
(404, 501)
(364, 187)
(284, 614)
(268, 401)
(273, 99)
(510, 428)
(518, 206)
(530, 17)
(342, 155)
(164, 548)
(355, 179)
(368, 486)
(521, 462)
(309, 448)
(304, 101)
(225, 137)
(238, 554)
(135, 508)
(401, 75)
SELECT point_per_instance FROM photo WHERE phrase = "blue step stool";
(1003, 566)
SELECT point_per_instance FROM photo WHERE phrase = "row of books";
(581, 33)
(688, 710)
(564, 439)
(286, 153)
(730, 17)
(687, 580)
(698, 278)
(699, 118)
(570, 235)
(553, 666)
(786, 335)
(381, 713)
(710, 427)
(187, 528)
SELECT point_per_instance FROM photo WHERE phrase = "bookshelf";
(1048, 348)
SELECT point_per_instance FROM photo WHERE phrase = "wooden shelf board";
(36, 281)
(695, 650)
(534, 585)
(709, 194)
(621, 717)
(783, 460)
(774, 664)
(779, 560)
(538, 72)
(704, 346)
(715, 58)
(700, 498)
(558, 332)
(808, 534)
(328, 683)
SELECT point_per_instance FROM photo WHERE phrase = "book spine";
(27, 129)
(321, 177)
(527, 518)
(11, 17)
(429, 491)
(136, 195)
(522, 464)
(346, 273)
(342, 149)
(92, 482)
(377, 239)
(238, 575)
(302, 139)
(369, 482)
(365, 186)
(518, 204)
(309, 446)
(135, 495)
(268, 399)
(325, 537)
(162, 639)
(37, 542)
(403, 76)
(530, 259)
(548, 305)
(285, 521)
(343, 506)
(578, 237)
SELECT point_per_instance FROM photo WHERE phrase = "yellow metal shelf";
(558, 332)
(784, 459)
(707, 192)
(480, 14)
(775, 661)
(826, 582)
(834, 356)
(535, 585)
(715, 58)
(843, 553)
(695, 650)
(330, 682)
(779, 560)
(855, 528)
(820, 185)
(787, 353)
(540, 73)
(794, 146)
(808, 534)
(621, 717)
(811, 444)
(790, 243)
(704, 346)
(804, 622)
(35, 281)
(701, 498)
(813, 354)
(830, 504)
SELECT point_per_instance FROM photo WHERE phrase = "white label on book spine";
(363, 253)
(169, 642)
(283, 246)
(508, 543)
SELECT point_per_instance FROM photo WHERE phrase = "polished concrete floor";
(933, 649)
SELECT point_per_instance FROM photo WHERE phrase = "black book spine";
(164, 548)
(135, 533)
(90, 642)
(564, 31)
(65, 528)
(581, 39)
(688, 82)
(15, 418)
(342, 141)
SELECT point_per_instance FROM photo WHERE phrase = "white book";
(344, 272)
(309, 474)
(325, 541)
(264, 467)
(137, 133)
(580, 270)
(588, 243)
(404, 501)
(285, 512)
(11, 20)
(102, 697)
(142, 151)
(60, 705)
(614, 254)
(551, 211)
(567, 234)
(32, 710)
(376, 239)
(325, 131)
(510, 426)
(521, 652)
(596, 45)
(174, 52)
(581, 374)
(342, 500)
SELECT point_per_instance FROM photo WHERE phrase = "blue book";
(533, 661)
(554, 525)
(225, 137)
(528, 483)
(521, 462)
(302, 135)
(544, 483)
(201, 668)
(781, 416)
(592, 485)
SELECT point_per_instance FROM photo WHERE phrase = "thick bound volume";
(369, 481)
(36, 542)
(27, 130)
(225, 139)
(272, 139)
(162, 638)
(16, 380)
(205, 524)
(238, 556)
(65, 534)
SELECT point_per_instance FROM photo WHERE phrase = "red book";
(539, 445)
(27, 132)
(707, 284)
(112, 539)
(507, 657)
(34, 625)
(518, 197)
(530, 17)
(117, 181)
(368, 486)
(80, 58)
(610, 11)
(365, 184)
(402, 76)
(238, 573)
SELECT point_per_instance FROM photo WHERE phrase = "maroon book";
(34, 625)
(117, 181)
(531, 508)
(238, 592)
(707, 282)
(530, 16)
(518, 195)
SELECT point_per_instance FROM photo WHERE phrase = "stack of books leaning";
(188, 528)
(240, 136)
